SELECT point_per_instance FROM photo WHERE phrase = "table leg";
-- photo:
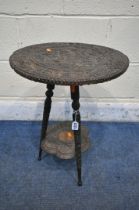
(77, 133)
(46, 113)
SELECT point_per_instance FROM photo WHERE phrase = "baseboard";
(91, 110)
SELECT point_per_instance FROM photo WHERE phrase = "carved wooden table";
(72, 64)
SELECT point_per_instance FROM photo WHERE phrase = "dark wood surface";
(69, 63)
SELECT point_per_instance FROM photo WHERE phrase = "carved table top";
(69, 63)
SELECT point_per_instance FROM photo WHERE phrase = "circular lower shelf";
(60, 140)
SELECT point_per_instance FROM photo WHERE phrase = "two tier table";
(71, 64)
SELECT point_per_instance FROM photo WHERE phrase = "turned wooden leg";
(77, 130)
(46, 113)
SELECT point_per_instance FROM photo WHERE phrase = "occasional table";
(72, 64)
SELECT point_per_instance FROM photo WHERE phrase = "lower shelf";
(60, 140)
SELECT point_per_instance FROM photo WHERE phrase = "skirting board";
(100, 110)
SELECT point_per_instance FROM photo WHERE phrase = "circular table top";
(69, 63)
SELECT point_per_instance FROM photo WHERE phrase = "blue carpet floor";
(110, 170)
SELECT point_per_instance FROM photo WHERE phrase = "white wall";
(104, 22)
